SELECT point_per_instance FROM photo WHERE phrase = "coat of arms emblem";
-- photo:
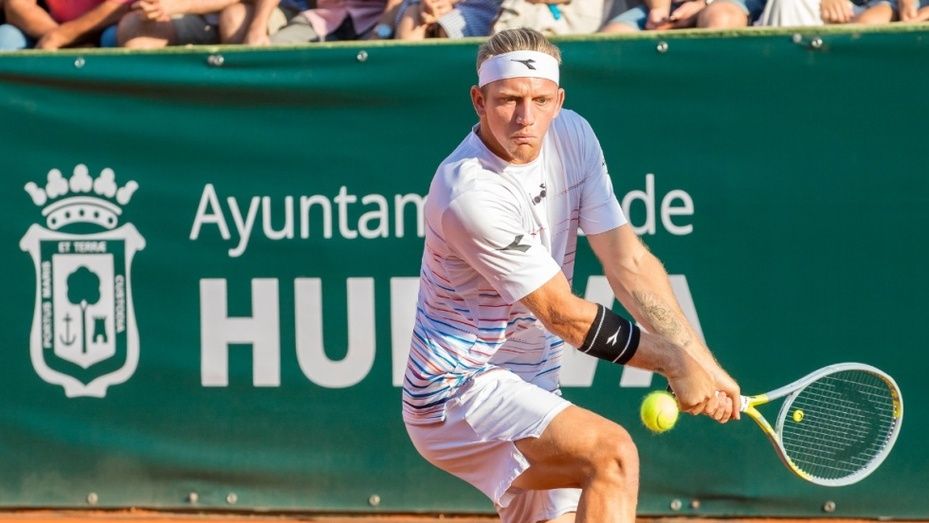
(84, 334)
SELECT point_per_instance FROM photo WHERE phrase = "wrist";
(677, 363)
(64, 34)
(611, 337)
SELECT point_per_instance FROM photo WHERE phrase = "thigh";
(476, 441)
(561, 457)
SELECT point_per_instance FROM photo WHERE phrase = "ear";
(478, 101)
(560, 100)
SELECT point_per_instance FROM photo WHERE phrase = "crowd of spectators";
(53, 24)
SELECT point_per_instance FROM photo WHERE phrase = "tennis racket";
(836, 425)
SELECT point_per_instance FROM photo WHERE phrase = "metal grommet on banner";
(374, 500)
(92, 498)
(829, 506)
(231, 498)
(215, 60)
(192, 498)
(79, 62)
(676, 505)
(662, 47)
(362, 56)
(815, 43)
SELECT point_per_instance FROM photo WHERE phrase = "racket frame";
(749, 404)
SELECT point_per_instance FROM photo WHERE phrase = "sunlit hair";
(516, 40)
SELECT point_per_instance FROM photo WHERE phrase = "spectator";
(332, 20)
(668, 14)
(552, 17)
(795, 13)
(252, 24)
(64, 23)
(158, 23)
(420, 19)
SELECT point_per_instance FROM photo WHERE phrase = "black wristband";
(611, 337)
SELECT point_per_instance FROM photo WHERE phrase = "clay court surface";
(143, 516)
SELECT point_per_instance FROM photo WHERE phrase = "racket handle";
(744, 402)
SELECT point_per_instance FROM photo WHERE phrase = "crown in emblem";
(81, 199)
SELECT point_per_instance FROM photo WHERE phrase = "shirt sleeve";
(600, 210)
(485, 230)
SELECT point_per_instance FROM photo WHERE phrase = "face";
(515, 115)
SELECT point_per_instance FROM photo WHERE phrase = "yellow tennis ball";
(659, 411)
(798, 416)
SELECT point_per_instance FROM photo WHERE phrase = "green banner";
(212, 268)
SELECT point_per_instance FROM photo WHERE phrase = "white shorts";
(476, 443)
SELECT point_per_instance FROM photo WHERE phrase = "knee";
(233, 16)
(11, 38)
(879, 14)
(129, 27)
(137, 32)
(614, 457)
(722, 15)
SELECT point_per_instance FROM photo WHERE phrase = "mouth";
(523, 139)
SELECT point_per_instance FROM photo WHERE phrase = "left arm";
(105, 14)
(641, 283)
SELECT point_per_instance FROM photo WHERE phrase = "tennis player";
(481, 396)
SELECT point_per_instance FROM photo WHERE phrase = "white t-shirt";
(496, 232)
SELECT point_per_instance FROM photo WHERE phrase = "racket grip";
(744, 402)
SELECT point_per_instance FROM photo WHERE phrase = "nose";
(525, 112)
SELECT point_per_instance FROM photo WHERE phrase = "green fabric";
(805, 246)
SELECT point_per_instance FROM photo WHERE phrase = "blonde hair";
(516, 40)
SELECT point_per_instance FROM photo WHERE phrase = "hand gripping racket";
(836, 425)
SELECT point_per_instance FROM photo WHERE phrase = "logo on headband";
(528, 62)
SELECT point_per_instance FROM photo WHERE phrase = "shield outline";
(73, 387)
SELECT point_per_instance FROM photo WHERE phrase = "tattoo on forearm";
(660, 317)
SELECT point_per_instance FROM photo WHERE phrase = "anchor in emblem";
(67, 338)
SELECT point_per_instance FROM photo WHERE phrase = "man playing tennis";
(481, 398)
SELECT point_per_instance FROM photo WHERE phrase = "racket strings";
(837, 425)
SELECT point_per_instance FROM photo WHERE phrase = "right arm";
(571, 317)
(29, 17)
(107, 13)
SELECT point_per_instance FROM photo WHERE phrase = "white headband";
(518, 64)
